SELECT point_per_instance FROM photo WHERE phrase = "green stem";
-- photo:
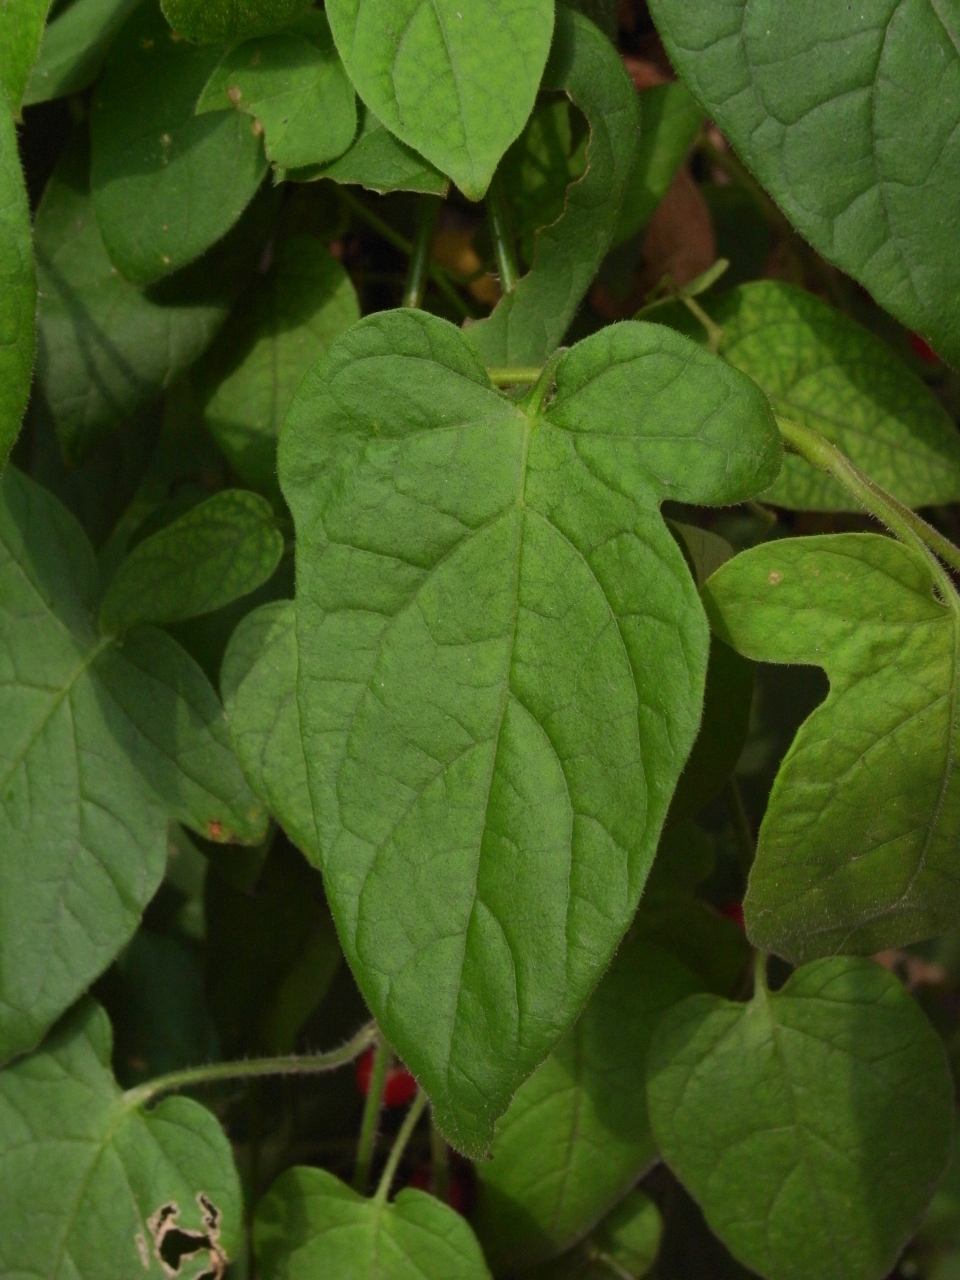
(439, 1163)
(371, 1116)
(398, 1148)
(741, 824)
(522, 376)
(533, 400)
(420, 256)
(252, 1068)
(714, 332)
(760, 988)
(501, 233)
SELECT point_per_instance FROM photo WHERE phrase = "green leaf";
(166, 183)
(92, 1185)
(103, 744)
(530, 321)
(576, 1136)
(259, 683)
(105, 347)
(501, 662)
(295, 85)
(602, 12)
(21, 26)
(74, 46)
(220, 550)
(208, 21)
(18, 288)
(311, 1224)
(857, 850)
(380, 162)
(670, 120)
(250, 377)
(811, 1125)
(848, 115)
(454, 81)
(824, 370)
(624, 1244)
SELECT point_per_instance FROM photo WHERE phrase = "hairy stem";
(521, 376)
(399, 1146)
(420, 256)
(371, 1116)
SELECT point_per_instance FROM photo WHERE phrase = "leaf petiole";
(501, 233)
(399, 1146)
(371, 1115)
(420, 256)
(513, 377)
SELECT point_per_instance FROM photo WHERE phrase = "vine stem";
(501, 233)
(399, 1146)
(253, 1068)
(420, 255)
(521, 376)
(371, 1116)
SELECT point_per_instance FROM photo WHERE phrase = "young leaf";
(21, 25)
(102, 746)
(576, 1136)
(312, 1225)
(249, 379)
(220, 550)
(74, 46)
(295, 85)
(857, 850)
(92, 1185)
(811, 1125)
(670, 120)
(380, 162)
(259, 683)
(18, 287)
(166, 183)
(848, 115)
(624, 1244)
(824, 370)
(501, 662)
(455, 81)
(529, 322)
(208, 21)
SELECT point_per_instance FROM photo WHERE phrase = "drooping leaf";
(454, 81)
(295, 85)
(220, 550)
(529, 322)
(208, 21)
(491, 609)
(811, 1125)
(21, 26)
(380, 162)
(857, 846)
(92, 1185)
(249, 379)
(74, 46)
(624, 1244)
(311, 1224)
(106, 348)
(824, 370)
(18, 288)
(576, 1136)
(848, 115)
(103, 744)
(166, 183)
(670, 119)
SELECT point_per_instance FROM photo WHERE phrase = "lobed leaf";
(857, 850)
(501, 663)
(209, 21)
(92, 1185)
(18, 288)
(670, 119)
(74, 46)
(103, 745)
(848, 115)
(21, 26)
(811, 1125)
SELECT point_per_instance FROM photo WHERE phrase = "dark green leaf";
(811, 1125)
(295, 85)
(220, 550)
(212, 20)
(248, 381)
(21, 26)
(576, 1136)
(849, 115)
(74, 46)
(602, 12)
(312, 1225)
(490, 609)
(91, 1184)
(102, 745)
(624, 1244)
(528, 323)
(380, 162)
(455, 81)
(166, 183)
(18, 288)
(670, 120)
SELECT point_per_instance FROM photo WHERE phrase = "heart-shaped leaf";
(18, 287)
(857, 850)
(92, 1185)
(501, 663)
(848, 115)
(454, 81)
(811, 1125)
(103, 744)
(212, 20)
(74, 46)
(312, 1225)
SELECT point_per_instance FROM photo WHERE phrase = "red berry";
(734, 911)
(923, 350)
(400, 1087)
